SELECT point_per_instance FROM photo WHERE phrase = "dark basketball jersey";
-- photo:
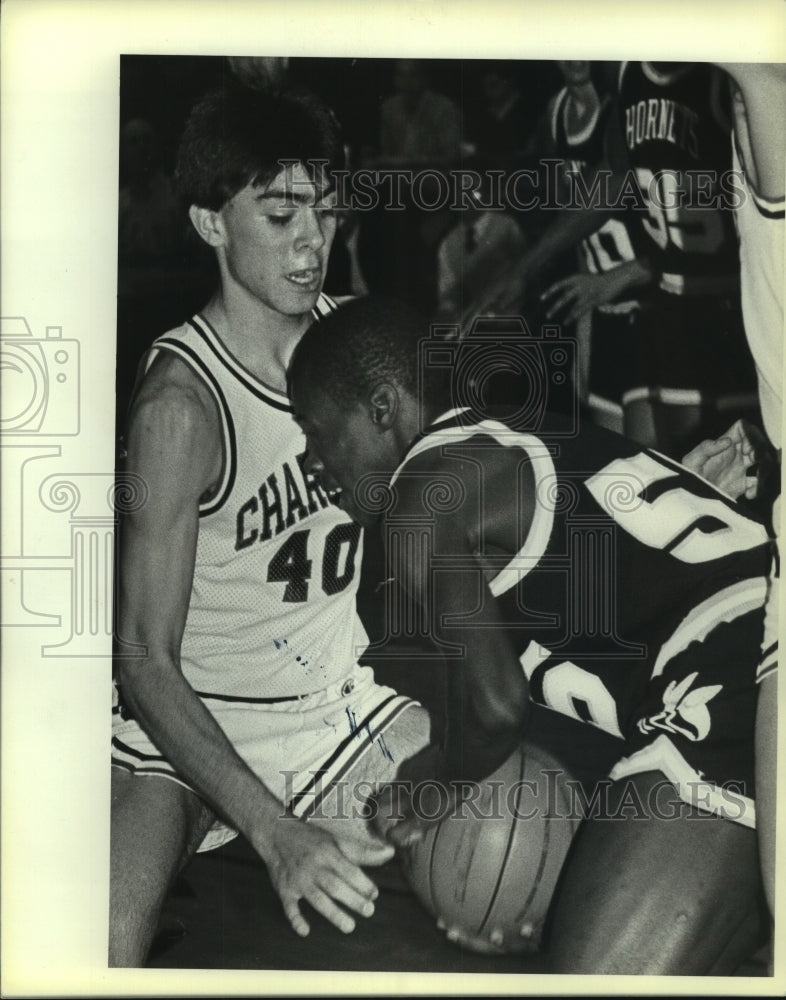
(629, 561)
(676, 132)
(618, 239)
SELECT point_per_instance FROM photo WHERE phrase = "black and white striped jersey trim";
(768, 663)
(768, 208)
(229, 469)
(265, 393)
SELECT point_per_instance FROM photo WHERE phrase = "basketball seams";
(508, 847)
(510, 876)
(431, 860)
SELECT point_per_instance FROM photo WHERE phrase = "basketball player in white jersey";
(760, 153)
(241, 706)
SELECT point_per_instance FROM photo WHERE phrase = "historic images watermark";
(552, 184)
(55, 522)
(557, 796)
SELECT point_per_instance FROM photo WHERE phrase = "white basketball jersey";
(761, 227)
(272, 610)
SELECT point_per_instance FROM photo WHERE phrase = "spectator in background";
(418, 127)
(420, 130)
(470, 257)
(150, 230)
(345, 273)
(159, 266)
(500, 128)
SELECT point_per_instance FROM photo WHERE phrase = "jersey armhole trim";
(768, 208)
(559, 100)
(258, 389)
(228, 439)
(266, 394)
(540, 529)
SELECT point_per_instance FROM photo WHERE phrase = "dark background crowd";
(452, 263)
(476, 114)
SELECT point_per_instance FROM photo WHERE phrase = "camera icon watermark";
(40, 381)
(497, 368)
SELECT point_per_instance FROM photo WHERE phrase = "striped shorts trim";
(300, 750)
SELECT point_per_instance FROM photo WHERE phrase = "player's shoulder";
(458, 462)
(173, 400)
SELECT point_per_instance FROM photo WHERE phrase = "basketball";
(491, 865)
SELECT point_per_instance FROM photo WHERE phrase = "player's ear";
(384, 405)
(208, 224)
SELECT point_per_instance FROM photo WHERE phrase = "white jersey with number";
(272, 610)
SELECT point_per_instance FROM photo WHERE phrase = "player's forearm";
(571, 226)
(175, 719)
(473, 754)
(632, 274)
(486, 719)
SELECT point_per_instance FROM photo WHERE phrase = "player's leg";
(639, 419)
(766, 733)
(653, 418)
(157, 825)
(610, 368)
(660, 889)
(766, 784)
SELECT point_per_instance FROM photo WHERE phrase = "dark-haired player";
(241, 702)
(589, 574)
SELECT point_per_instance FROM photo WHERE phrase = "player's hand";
(404, 813)
(308, 863)
(394, 818)
(494, 943)
(404, 809)
(728, 462)
(570, 298)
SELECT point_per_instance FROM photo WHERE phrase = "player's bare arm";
(572, 297)
(174, 445)
(487, 690)
(763, 89)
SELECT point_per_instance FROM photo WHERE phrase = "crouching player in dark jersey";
(585, 573)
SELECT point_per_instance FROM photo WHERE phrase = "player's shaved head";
(238, 136)
(366, 342)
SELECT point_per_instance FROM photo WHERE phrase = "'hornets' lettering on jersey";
(288, 496)
(675, 129)
(664, 119)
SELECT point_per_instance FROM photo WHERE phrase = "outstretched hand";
(728, 462)
(404, 810)
(570, 298)
(305, 862)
